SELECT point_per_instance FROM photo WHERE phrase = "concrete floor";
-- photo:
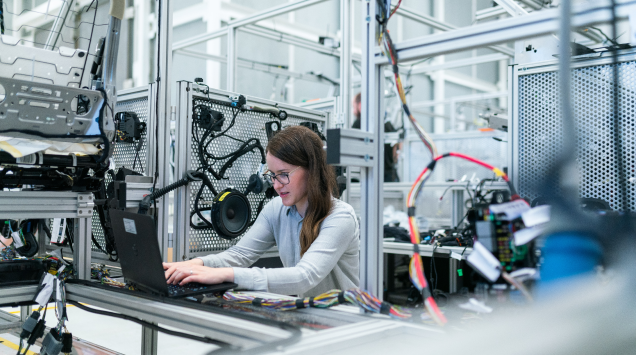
(120, 336)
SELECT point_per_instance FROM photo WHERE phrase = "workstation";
(271, 177)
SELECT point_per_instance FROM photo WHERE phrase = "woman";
(317, 235)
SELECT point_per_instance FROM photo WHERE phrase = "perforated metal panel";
(539, 129)
(480, 145)
(126, 154)
(248, 125)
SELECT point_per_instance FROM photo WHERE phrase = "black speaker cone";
(231, 213)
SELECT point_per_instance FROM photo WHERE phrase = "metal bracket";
(85, 205)
(350, 147)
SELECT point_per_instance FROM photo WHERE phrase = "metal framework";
(488, 34)
(41, 205)
(190, 242)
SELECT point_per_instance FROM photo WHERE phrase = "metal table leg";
(148, 341)
(25, 312)
(82, 250)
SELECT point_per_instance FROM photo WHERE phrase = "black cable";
(206, 340)
(434, 267)
(90, 39)
(618, 143)
(70, 233)
(158, 82)
(1, 18)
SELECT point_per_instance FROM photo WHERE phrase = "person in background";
(390, 152)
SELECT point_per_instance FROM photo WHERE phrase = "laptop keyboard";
(176, 290)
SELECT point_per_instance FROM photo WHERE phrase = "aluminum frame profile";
(535, 24)
(264, 15)
(443, 26)
(45, 204)
(160, 99)
(371, 192)
(49, 204)
(217, 326)
(256, 66)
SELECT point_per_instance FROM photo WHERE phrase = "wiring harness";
(332, 298)
(416, 268)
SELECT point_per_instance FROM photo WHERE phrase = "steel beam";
(443, 26)
(535, 24)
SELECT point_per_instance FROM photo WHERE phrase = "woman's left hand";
(183, 273)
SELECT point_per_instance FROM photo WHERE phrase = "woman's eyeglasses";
(283, 178)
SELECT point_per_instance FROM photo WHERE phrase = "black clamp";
(257, 302)
(385, 308)
(300, 303)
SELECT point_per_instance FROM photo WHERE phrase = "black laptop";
(141, 264)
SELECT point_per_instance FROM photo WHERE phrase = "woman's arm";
(258, 240)
(337, 233)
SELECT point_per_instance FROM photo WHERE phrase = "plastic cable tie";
(385, 308)
(416, 248)
(341, 297)
(411, 211)
(300, 304)
(257, 302)
(311, 301)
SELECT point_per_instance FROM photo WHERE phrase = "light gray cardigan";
(332, 261)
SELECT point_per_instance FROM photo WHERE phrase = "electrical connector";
(67, 343)
(37, 333)
(29, 324)
(52, 344)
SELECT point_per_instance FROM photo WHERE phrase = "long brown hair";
(300, 146)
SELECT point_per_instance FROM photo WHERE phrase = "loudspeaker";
(231, 214)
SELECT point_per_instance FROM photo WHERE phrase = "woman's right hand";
(170, 268)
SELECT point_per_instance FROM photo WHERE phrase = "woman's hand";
(193, 270)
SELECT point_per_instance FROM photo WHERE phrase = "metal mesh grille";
(540, 131)
(125, 155)
(248, 125)
(482, 147)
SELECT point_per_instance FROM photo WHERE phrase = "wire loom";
(332, 298)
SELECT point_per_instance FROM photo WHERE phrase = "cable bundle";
(358, 297)
(103, 275)
(416, 268)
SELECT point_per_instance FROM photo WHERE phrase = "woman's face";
(294, 193)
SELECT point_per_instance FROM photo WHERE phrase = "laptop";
(140, 259)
